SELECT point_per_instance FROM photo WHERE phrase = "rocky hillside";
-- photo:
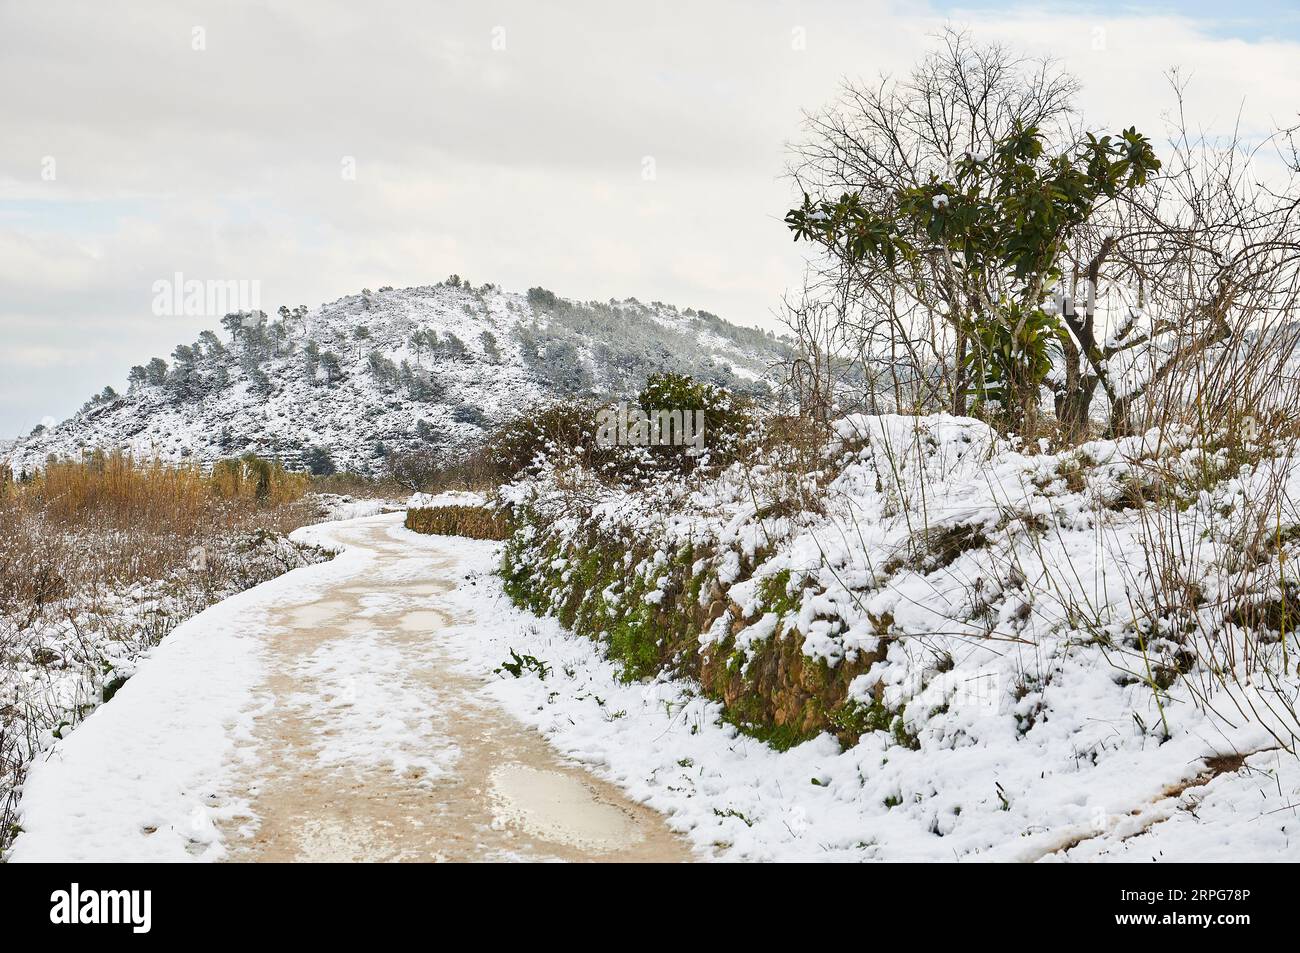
(371, 375)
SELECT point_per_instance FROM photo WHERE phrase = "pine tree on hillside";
(329, 362)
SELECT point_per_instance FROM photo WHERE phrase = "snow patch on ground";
(384, 716)
(148, 776)
(446, 498)
(335, 507)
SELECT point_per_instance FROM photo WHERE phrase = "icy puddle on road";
(560, 809)
(422, 620)
(370, 747)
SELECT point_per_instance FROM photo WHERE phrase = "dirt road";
(370, 747)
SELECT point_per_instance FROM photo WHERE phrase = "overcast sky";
(503, 141)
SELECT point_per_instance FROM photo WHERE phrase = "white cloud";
(520, 166)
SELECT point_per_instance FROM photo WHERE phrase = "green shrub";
(728, 420)
(566, 427)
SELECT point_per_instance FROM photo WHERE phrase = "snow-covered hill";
(396, 371)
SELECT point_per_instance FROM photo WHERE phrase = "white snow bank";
(446, 498)
(147, 776)
(736, 798)
(1011, 607)
(334, 507)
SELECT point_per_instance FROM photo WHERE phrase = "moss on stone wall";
(650, 613)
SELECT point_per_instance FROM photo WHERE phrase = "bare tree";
(1196, 275)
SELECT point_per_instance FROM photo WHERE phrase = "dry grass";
(361, 487)
(81, 536)
(475, 522)
(110, 520)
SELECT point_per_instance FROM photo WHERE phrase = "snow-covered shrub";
(925, 582)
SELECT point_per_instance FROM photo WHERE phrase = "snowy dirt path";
(322, 718)
(355, 710)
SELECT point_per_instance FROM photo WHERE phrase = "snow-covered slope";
(396, 371)
(973, 650)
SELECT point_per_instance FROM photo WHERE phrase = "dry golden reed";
(476, 522)
(109, 519)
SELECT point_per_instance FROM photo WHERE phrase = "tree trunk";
(959, 378)
(1120, 414)
(1074, 407)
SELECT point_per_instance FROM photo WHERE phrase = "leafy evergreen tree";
(260, 383)
(453, 347)
(156, 372)
(319, 461)
(234, 324)
(311, 360)
(329, 362)
(543, 299)
(381, 368)
(212, 343)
